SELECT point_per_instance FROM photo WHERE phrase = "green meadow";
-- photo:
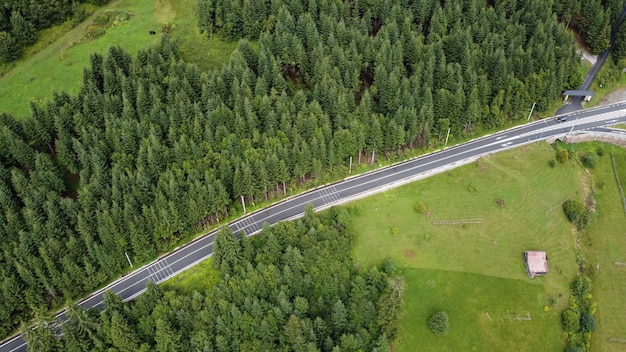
(476, 272)
(60, 64)
(605, 246)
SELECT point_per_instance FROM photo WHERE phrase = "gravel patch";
(588, 57)
(613, 97)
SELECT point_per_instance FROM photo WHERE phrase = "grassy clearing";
(208, 52)
(59, 66)
(199, 278)
(605, 244)
(478, 307)
(478, 268)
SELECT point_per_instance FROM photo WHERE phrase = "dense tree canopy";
(152, 150)
(291, 288)
(595, 20)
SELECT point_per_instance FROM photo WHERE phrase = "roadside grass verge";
(59, 66)
(479, 267)
(604, 245)
(200, 278)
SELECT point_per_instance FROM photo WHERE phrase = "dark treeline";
(20, 21)
(463, 64)
(152, 150)
(292, 288)
(595, 20)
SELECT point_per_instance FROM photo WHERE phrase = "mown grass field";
(476, 272)
(605, 244)
(60, 65)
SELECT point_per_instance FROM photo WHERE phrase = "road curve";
(134, 284)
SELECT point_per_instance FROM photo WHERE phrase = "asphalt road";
(134, 284)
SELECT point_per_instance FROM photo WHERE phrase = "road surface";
(347, 190)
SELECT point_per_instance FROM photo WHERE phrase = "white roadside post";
(531, 111)
(127, 258)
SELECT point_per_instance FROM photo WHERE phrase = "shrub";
(573, 348)
(571, 320)
(552, 163)
(562, 155)
(8, 47)
(587, 323)
(581, 287)
(420, 207)
(388, 267)
(573, 210)
(600, 151)
(395, 231)
(589, 160)
(439, 323)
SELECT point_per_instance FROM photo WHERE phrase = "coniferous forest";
(152, 150)
(291, 288)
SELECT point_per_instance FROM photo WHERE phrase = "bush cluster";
(589, 160)
(578, 320)
(562, 155)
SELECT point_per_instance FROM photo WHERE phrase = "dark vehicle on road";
(561, 119)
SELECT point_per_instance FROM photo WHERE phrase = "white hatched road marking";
(160, 271)
(329, 195)
(247, 225)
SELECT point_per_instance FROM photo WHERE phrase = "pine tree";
(40, 338)
(227, 251)
(123, 335)
(22, 30)
(167, 340)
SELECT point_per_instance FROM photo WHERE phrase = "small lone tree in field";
(439, 323)
(420, 207)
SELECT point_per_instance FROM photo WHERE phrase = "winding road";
(587, 121)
